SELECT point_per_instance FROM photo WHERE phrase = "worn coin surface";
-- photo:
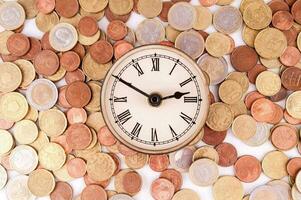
(41, 182)
(227, 19)
(182, 16)
(228, 186)
(12, 15)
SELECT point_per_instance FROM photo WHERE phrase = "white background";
(148, 175)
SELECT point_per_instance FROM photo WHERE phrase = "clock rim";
(204, 89)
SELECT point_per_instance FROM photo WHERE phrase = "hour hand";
(176, 95)
(131, 86)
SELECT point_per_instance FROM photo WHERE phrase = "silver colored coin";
(264, 192)
(298, 181)
(181, 159)
(121, 197)
(63, 37)
(282, 188)
(150, 31)
(17, 189)
(296, 195)
(42, 94)
(12, 15)
(203, 172)
(191, 42)
(3, 177)
(262, 135)
(23, 159)
(227, 19)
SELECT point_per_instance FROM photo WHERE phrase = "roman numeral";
(124, 117)
(190, 99)
(120, 99)
(174, 134)
(154, 135)
(138, 68)
(136, 130)
(156, 62)
(173, 69)
(186, 118)
(186, 82)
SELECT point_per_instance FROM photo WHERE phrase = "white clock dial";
(155, 99)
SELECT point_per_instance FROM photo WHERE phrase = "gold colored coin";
(41, 141)
(220, 117)
(268, 83)
(293, 104)
(228, 186)
(95, 120)
(52, 156)
(73, 20)
(93, 6)
(86, 154)
(84, 40)
(41, 183)
(94, 105)
(218, 44)
(246, 3)
(271, 63)
(3, 39)
(299, 41)
(27, 70)
(32, 114)
(119, 179)
(121, 7)
(30, 8)
(206, 152)
(6, 142)
(13, 106)
(203, 18)
(241, 78)
(59, 75)
(62, 174)
(171, 33)
(150, 9)
(10, 77)
(186, 194)
(97, 15)
(53, 122)
(230, 92)
(239, 108)
(270, 43)
(257, 15)
(45, 22)
(136, 161)
(224, 2)
(25, 132)
(244, 127)
(101, 167)
(274, 164)
(249, 35)
(94, 139)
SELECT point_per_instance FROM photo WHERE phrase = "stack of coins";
(52, 130)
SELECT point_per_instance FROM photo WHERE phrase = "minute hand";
(131, 86)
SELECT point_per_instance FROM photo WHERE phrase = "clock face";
(155, 99)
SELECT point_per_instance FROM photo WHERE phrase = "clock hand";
(176, 95)
(130, 85)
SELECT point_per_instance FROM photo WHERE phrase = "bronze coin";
(78, 136)
(76, 167)
(212, 137)
(45, 42)
(101, 52)
(89, 181)
(251, 98)
(132, 182)
(293, 166)
(247, 169)
(159, 163)
(227, 154)
(244, 58)
(111, 16)
(9, 58)
(80, 50)
(255, 71)
(278, 5)
(291, 56)
(45, 7)
(78, 94)
(93, 192)
(18, 44)
(174, 177)
(291, 36)
(77, 75)
(66, 8)
(165, 9)
(35, 48)
(46, 63)
(162, 189)
(291, 78)
(62, 191)
(88, 26)
(296, 11)
(117, 30)
(105, 137)
(263, 110)
(70, 61)
(284, 137)
(281, 95)
(283, 20)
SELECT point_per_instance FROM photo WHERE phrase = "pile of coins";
(52, 130)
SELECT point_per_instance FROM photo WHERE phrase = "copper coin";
(46, 63)
(62, 98)
(290, 119)
(45, 6)
(66, 8)
(296, 11)
(208, 3)
(227, 154)
(291, 56)
(212, 137)
(79, 136)
(263, 110)
(62, 191)
(88, 26)
(35, 48)
(70, 61)
(165, 9)
(101, 52)
(281, 95)
(9, 58)
(111, 16)
(80, 50)
(291, 36)
(278, 115)
(77, 75)
(244, 58)
(117, 30)
(18, 44)
(121, 49)
(162, 189)
(283, 20)
(277, 5)
(159, 163)
(291, 78)
(251, 98)
(126, 151)
(117, 163)
(45, 42)
(293, 166)
(255, 71)
(62, 140)
(105, 137)
(5, 125)
(78, 94)
(174, 176)
(247, 169)
(94, 192)
(132, 182)
(76, 115)
(284, 137)
(76, 167)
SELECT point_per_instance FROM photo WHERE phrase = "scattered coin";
(52, 157)
(203, 18)
(3, 177)
(292, 105)
(162, 189)
(220, 117)
(53, 122)
(228, 186)
(227, 154)
(217, 44)
(244, 65)
(17, 188)
(150, 31)
(247, 168)
(12, 15)
(62, 190)
(182, 16)
(150, 9)
(41, 183)
(268, 83)
(10, 77)
(92, 192)
(274, 165)
(186, 194)
(263, 191)
(227, 19)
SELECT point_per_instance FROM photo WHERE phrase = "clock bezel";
(204, 88)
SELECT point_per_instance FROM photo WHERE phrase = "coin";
(217, 44)
(220, 117)
(12, 15)
(230, 92)
(10, 77)
(53, 122)
(88, 26)
(101, 52)
(227, 19)
(251, 98)
(3, 38)
(206, 152)
(132, 182)
(62, 190)
(18, 44)
(296, 11)
(250, 58)
(121, 197)
(6, 142)
(174, 177)
(227, 154)
(290, 57)
(79, 136)
(278, 6)
(182, 159)
(249, 35)
(247, 168)
(274, 164)
(182, 16)
(25, 132)
(292, 105)
(92, 192)
(162, 189)
(228, 186)
(17, 188)
(203, 18)
(299, 41)
(268, 83)
(284, 137)
(150, 31)
(45, 7)
(78, 94)
(45, 22)
(46, 63)
(212, 137)
(150, 9)
(41, 182)
(261, 136)
(121, 8)
(76, 167)
(263, 191)
(117, 30)
(3, 177)
(159, 163)
(293, 166)
(283, 20)
(186, 194)
(283, 189)
(52, 157)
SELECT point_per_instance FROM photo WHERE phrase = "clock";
(155, 99)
